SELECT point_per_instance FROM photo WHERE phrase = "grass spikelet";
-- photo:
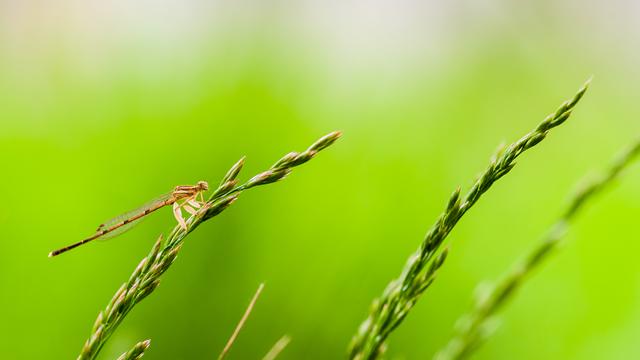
(474, 328)
(137, 352)
(146, 277)
(402, 293)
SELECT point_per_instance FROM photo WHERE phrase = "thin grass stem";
(277, 348)
(244, 318)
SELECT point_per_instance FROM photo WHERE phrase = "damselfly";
(187, 197)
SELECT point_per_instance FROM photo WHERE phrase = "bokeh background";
(106, 104)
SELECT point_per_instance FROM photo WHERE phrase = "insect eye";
(203, 185)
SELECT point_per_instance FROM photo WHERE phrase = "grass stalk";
(473, 329)
(277, 348)
(137, 352)
(244, 318)
(146, 277)
(388, 311)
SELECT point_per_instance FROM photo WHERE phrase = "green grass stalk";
(277, 348)
(146, 277)
(473, 329)
(388, 311)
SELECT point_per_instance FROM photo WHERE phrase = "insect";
(187, 197)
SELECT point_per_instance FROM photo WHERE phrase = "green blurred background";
(104, 105)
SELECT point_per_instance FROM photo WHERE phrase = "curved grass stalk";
(146, 277)
(388, 311)
(473, 329)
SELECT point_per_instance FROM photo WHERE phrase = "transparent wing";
(120, 230)
(155, 203)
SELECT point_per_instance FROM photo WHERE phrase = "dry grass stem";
(244, 318)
